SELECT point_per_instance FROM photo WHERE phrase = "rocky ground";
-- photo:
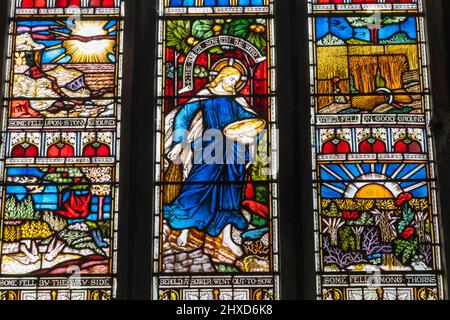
(198, 255)
(193, 262)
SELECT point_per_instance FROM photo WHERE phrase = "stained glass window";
(376, 213)
(215, 223)
(60, 150)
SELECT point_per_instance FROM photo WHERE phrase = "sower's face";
(230, 82)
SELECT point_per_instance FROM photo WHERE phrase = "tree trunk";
(358, 241)
(374, 35)
(334, 237)
(100, 208)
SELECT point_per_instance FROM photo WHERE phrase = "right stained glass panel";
(376, 211)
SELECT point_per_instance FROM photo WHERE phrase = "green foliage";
(261, 194)
(352, 85)
(105, 228)
(258, 221)
(400, 111)
(204, 29)
(332, 212)
(56, 223)
(91, 225)
(380, 82)
(400, 37)
(260, 169)
(365, 219)
(178, 31)
(348, 239)
(407, 219)
(10, 208)
(67, 178)
(252, 30)
(356, 42)
(225, 268)
(364, 21)
(21, 210)
(427, 226)
(330, 40)
(405, 249)
(392, 20)
(79, 240)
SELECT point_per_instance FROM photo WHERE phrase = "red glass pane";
(67, 151)
(103, 151)
(95, 3)
(379, 147)
(329, 147)
(53, 152)
(40, 3)
(17, 152)
(343, 147)
(28, 4)
(415, 147)
(365, 147)
(108, 3)
(89, 151)
(401, 147)
(61, 3)
(20, 151)
(75, 3)
(32, 151)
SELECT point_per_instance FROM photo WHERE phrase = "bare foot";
(49, 257)
(228, 243)
(52, 254)
(31, 258)
(166, 230)
(182, 239)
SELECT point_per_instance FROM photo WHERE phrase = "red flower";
(402, 198)
(352, 215)
(407, 233)
(64, 175)
(335, 80)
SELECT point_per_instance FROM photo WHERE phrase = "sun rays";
(92, 51)
(372, 181)
(85, 42)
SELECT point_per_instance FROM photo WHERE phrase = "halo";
(226, 62)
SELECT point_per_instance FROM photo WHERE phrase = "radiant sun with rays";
(87, 42)
(374, 181)
(89, 47)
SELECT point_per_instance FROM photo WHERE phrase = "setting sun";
(91, 51)
(374, 191)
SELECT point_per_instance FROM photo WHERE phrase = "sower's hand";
(243, 139)
(175, 153)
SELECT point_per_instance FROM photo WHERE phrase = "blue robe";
(210, 197)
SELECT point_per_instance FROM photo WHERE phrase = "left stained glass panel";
(60, 150)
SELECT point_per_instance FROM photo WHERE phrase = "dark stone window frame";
(135, 250)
